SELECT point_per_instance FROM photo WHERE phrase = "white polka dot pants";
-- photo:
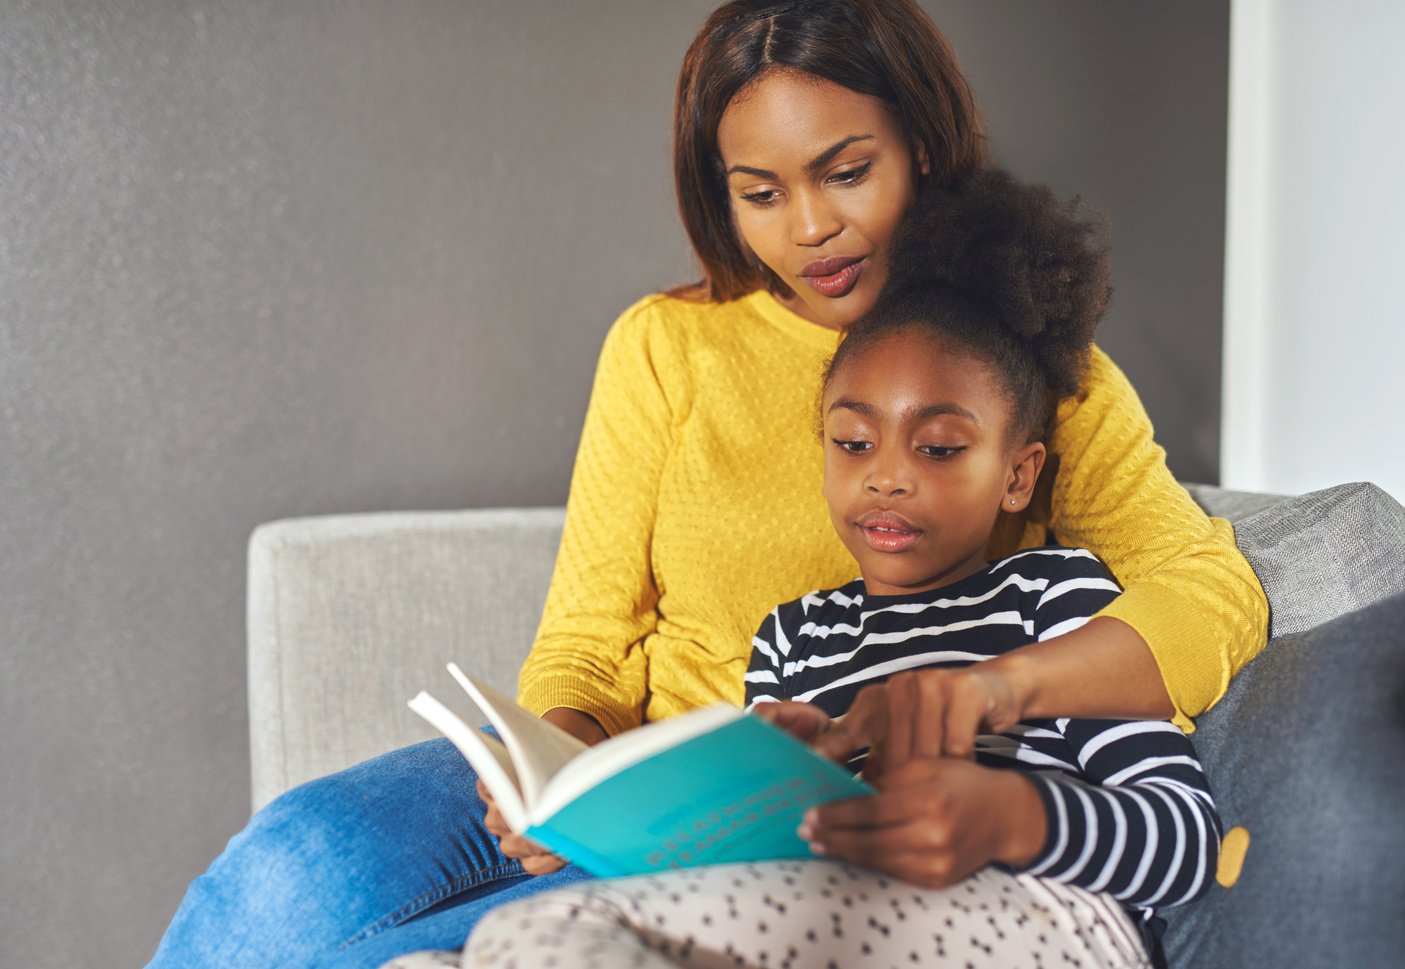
(804, 914)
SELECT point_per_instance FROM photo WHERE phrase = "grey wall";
(1126, 104)
(277, 258)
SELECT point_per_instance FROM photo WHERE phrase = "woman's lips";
(834, 277)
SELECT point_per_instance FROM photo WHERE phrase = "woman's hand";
(922, 713)
(916, 713)
(933, 822)
(535, 859)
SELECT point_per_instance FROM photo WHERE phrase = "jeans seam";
(431, 898)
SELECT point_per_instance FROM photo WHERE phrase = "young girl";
(803, 132)
(936, 413)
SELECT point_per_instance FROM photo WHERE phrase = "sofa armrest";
(350, 615)
(1304, 753)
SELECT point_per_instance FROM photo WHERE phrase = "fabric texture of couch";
(351, 615)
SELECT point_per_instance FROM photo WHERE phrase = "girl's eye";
(760, 199)
(938, 451)
(852, 176)
(853, 447)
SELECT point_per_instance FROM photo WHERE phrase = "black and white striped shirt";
(1129, 810)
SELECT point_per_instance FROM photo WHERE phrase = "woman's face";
(819, 177)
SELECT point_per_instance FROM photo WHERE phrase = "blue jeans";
(352, 870)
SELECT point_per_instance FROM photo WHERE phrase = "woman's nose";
(813, 221)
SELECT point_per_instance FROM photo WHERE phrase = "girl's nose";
(889, 477)
(813, 221)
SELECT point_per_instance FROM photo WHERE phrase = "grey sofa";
(351, 615)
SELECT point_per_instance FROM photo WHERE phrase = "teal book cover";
(736, 793)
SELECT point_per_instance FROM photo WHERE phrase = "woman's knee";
(342, 857)
(391, 821)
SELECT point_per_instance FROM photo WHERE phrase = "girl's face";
(917, 464)
(819, 177)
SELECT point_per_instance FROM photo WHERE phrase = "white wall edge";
(1248, 237)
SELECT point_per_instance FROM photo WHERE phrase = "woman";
(934, 415)
(690, 516)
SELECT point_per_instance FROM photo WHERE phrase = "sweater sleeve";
(602, 600)
(1146, 831)
(1189, 592)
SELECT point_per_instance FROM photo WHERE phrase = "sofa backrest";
(349, 616)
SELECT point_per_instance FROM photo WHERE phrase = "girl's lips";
(889, 536)
(834, 277)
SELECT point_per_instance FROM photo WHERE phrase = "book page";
(624, 750)
(538, 749)
(484, 753)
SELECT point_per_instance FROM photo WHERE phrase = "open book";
(709, 787)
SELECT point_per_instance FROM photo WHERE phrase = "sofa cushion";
(1303, 751)
(1325, 553)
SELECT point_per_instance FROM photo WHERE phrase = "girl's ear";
(1025, 465)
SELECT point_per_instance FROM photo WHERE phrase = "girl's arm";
(765, 673)
(1149, 835)
(586, 663)
(1146, 831)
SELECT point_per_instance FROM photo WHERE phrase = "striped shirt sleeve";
(1145, 830)
(1077, 589)
(764, 680)
(1142, 826)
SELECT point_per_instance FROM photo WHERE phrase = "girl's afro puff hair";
(1009, 271)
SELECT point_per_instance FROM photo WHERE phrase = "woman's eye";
(939, 451)
(760, 199)
(852, 176)
(853, 447)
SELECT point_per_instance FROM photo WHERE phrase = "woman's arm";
(1192, 613)
(601, 603)
(1102, 669)
(586, 672)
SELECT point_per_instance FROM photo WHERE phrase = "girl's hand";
(535, 859)
(923, 713)
(933, 822)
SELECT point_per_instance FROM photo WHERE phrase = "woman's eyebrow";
(827, 156)
(811, 167)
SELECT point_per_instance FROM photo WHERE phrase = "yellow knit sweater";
(695, 507)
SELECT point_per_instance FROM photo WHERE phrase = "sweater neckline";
(792, 323)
